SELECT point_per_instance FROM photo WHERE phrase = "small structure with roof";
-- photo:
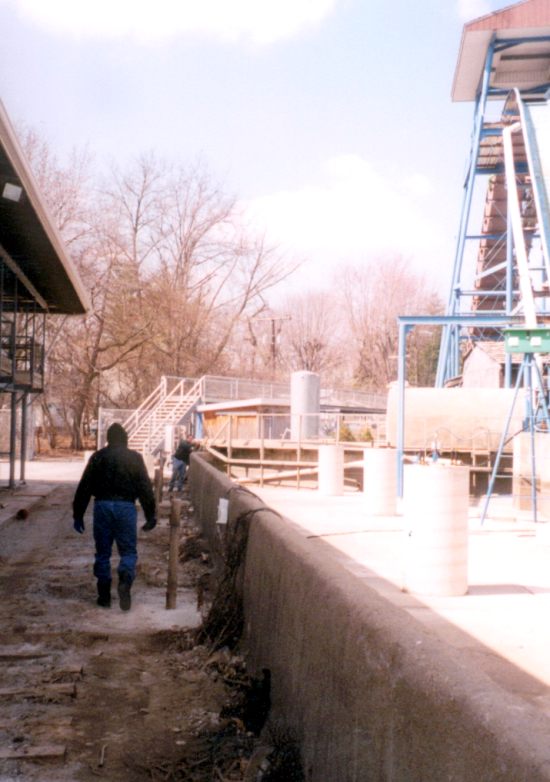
(485, 365)
(37, 279)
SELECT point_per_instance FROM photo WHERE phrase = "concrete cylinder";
(168, 438)
(436, 499)
(305, 405)
(380, 481)
(542, 532)
(331, 470)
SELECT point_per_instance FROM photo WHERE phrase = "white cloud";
(257, 21)
(472, 9)
(355, 213)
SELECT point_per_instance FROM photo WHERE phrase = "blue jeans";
(178, 474)
(115, 521)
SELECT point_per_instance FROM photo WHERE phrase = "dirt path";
(89, 693)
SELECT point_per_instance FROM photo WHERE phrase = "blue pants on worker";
(178, 474)
(115, 521)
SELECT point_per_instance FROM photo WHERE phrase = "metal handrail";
(154, 421)
(133, 422)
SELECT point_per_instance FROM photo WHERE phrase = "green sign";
(527, 340)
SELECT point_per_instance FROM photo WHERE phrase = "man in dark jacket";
(116, 477)
(180, 463)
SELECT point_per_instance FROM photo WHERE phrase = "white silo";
(305, 404)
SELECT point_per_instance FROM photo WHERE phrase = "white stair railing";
(146, 425)
(141, 413)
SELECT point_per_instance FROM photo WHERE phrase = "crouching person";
(116, 477)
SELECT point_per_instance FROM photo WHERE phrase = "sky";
(330, 121)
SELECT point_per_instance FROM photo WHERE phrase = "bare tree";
(373, 296)
(312, 337)
(171, 269)
(202, 271)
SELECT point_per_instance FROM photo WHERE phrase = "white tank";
(169, 439)
(436, 500)
(380, 481)
(305, 405)
(331, 470)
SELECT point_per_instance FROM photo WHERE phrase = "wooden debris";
(69, 673)
(44, 692)
(18, 653)
(35, 753)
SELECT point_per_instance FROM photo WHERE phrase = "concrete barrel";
(380, 481)
(436, 500)
(542, 532)
(331, 470)
(149, 460)
(305, 395)
(169, 439)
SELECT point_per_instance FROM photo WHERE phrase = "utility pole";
(273, 319)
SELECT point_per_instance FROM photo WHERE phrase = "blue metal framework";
(406, 324)
(535, 407)
(495, 289)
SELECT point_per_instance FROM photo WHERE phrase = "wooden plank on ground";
(35, 753)
(17, 653)
(46, 691)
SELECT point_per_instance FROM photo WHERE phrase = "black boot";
(104, 594)
(124, 596)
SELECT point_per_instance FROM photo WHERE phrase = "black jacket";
(115, 473)
(183, 451)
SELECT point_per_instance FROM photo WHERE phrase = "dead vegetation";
(231, 746)
(240, 746)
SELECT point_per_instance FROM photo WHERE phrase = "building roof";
(527, 66)
(30, 244)
(497, 351)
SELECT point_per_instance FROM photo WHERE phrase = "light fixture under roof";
(12, 192)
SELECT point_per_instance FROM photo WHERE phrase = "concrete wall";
(370, 694)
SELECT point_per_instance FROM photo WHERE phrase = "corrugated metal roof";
(28, 233)
(525, 67)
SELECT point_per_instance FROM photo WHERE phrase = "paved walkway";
(503, 621)
(40, 479)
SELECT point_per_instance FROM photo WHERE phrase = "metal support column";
(404, 329)
(13, 438)
(449, 352)
(24, 428)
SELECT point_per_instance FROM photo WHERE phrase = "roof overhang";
(526, 65)
(244, 405)
(30, 244)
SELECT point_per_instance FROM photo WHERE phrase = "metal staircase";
(175, 398)
(165, 406)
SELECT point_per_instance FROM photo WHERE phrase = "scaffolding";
(502, 260)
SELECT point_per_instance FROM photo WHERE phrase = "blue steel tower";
(502, 259)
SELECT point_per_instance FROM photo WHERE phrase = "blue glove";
(78, 525)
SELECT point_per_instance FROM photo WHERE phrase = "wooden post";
(230, 445)
(262, 448)
(158, 486)
(172, 584)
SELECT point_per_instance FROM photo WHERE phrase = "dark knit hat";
(116, 435)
